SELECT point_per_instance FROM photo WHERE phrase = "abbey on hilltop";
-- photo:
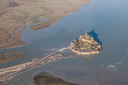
(85, 45)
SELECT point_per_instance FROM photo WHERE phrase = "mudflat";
(10, 56)
(47, 79)
(16, 14)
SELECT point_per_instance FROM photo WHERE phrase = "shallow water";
(110, 20)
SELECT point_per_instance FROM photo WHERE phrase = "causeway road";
(12, 74)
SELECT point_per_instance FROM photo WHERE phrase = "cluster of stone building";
(85, 45)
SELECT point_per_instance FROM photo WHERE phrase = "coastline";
(6, 74)
(11, 56)
(53, 22)
(45, 77)
(15, 39)
(99, 69)
(67, 12)
(84, 53)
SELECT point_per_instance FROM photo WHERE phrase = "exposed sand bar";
(45, 78)
(10, 56)
(16, 14)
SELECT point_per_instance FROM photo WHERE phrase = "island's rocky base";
(84, 53)
(85, 45)
(46, 78)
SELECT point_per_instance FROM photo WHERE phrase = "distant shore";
(15, 18)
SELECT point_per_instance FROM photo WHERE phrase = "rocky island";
(85, 45)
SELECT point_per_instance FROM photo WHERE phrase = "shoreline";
(72, 7)
(8, 73)
(84, 53)
(11, 56)
(61, 16)
(52, 23)
(46, 77)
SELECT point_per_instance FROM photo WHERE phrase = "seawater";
(109, 20)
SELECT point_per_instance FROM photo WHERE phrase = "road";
(4, 78)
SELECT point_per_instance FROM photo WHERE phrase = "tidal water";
(108, 19)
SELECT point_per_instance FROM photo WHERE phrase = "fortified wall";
(85, 45)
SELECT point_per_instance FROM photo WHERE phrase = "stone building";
(85, 45)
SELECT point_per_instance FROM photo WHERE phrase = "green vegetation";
(43, 25)
(3, 4)
(2, 84)
(47, 79)
(16, 14)
(1, 28)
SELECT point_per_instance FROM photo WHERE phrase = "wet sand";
(10, 56)
(47, 79)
